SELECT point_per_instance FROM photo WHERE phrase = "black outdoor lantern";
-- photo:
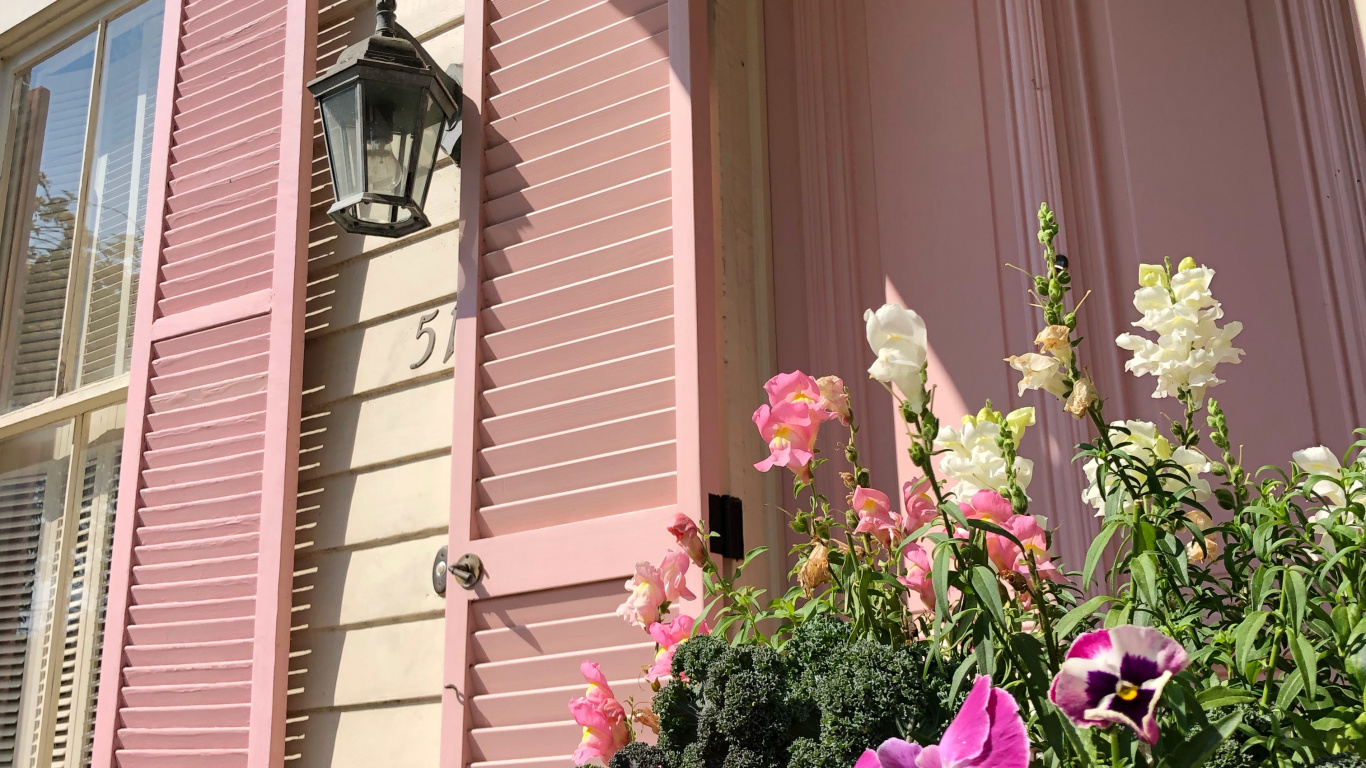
(386, 107)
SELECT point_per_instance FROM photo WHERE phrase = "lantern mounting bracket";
(450, 141)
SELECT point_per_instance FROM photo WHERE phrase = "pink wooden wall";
(585, 353)
(916, 140)
(193, 672)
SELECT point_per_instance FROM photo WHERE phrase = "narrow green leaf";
(1290, 690)
(1307, 660)
(1296, 597)
(1198, 748)
(1097, 548)
(1245, 638)
(941, 583)
(1075, 616)
(984, 584)
(1224, 696)
(1144, 570)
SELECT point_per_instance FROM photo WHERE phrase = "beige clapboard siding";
(374, 481)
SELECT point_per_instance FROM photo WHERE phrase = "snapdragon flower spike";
(1116, 676)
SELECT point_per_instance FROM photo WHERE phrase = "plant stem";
(1116, 759)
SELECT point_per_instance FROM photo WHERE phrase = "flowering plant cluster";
(1215, 621)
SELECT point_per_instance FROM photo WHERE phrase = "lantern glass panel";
(341, 123)
(433, 125)
(392, 112)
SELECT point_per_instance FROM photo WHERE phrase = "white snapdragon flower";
(1144, 443)
(1040, 372)
(1182, 311)
(974, 459)
(1321, 461)
(897, 337)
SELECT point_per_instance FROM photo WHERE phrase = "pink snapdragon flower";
(790, 430)
(1117, 675)
(988, 505)
(796, 387)
(988, 732)
(668, 636)
(1006, 556)
(686, 533)
(602, 717)
(916, 556)
(874, 512)
(647, 594)
(919, 507)
(673, 571)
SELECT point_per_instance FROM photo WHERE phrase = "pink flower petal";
(967, 735)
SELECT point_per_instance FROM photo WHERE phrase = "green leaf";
(1290, 689)
(1307, 660)
(1075, 616)
(1295, 596)
(1245, 638)
(1224, 696)
(940, 577)
(1194, 751)
(1144, 570)
(753, 553)
(1145, 536)
(1097, 548)
(959, 674)
(1262, 536)
(984, 584)
(1114, 503)
(990, 527)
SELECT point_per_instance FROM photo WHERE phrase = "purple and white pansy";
(1116, 676)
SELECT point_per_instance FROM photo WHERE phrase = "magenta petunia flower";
(1117, 676)
(988, 732)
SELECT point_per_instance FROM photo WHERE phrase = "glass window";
(57, 532)
(76, 202)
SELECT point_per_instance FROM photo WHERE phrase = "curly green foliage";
(745, 757)
(755, 713)
(1344, 760)
(639, 755)
(873, 694)
(816, 646)
(1235, 752)
(692, 658)
(676, 705)
(810, 753)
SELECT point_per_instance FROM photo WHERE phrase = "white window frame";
(68, 400)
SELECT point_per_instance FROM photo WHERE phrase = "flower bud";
(848, 479)
(688, 536)
(816, 570)
(1150, 275)
(1186, 263)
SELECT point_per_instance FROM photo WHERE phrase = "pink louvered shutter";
(194, 661)
(585, 346)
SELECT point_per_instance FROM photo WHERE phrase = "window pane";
(54, 98)
(33, 471)
(117, 194)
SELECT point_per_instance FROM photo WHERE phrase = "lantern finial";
(384, 17)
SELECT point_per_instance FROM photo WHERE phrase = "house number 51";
(424, 329)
